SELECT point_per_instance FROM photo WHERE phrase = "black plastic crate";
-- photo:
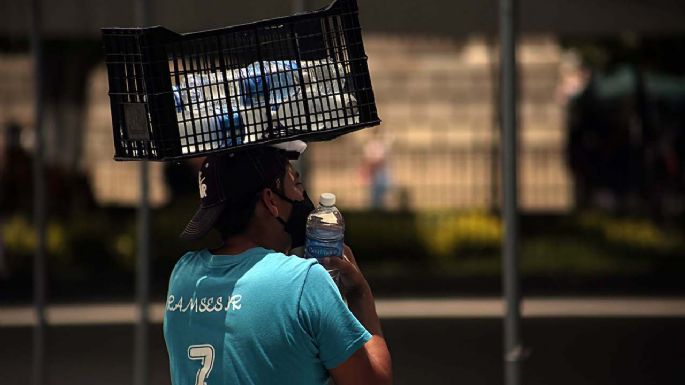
(182, 95)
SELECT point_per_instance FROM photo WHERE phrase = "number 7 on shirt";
(204, 353)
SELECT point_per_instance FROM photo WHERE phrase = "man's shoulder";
(285, 263)
(285, 270)
(189, 257)
(278, 276)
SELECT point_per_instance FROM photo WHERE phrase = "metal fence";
(438, 149)
(439, 144)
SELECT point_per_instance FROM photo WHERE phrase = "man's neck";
(235, 245)
(238, 244)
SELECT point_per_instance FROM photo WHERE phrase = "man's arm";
(371, 364)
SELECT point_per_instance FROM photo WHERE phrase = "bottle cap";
(327, 199)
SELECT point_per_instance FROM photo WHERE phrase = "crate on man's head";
(182, 95)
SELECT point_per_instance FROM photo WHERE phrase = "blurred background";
(601, 188)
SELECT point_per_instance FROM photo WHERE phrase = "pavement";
(604, 307)
(567, 341)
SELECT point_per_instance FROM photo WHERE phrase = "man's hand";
(355, 289)
(352, 280)
(372, 363)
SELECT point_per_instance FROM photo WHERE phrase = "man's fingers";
(335, 263)
(330, 262)
(347, 252)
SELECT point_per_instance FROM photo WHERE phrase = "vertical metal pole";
(140, 365)
(302, 164)
(496, 132)
(298, 6)
(141, 354)
(512, 341)
(39, 263)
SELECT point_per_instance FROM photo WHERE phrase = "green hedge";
(101, 246)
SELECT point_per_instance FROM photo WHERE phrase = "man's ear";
(268, 197)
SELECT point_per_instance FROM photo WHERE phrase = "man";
(246, 313)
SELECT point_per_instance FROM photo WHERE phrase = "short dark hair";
(272, 165)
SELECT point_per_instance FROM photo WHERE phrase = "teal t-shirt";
(259, 317)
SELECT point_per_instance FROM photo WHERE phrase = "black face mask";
(297, 222)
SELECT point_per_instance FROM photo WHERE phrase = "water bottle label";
(318, 249)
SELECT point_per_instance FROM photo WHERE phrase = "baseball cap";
(226, 180)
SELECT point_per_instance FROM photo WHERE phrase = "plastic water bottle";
(325, 231)
(281, 83)
(205, 118)
(202, 98)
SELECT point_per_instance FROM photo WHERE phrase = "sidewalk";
(416, 308)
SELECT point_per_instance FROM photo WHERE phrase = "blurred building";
(113, 183)
(437, 98)
(434, 67)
